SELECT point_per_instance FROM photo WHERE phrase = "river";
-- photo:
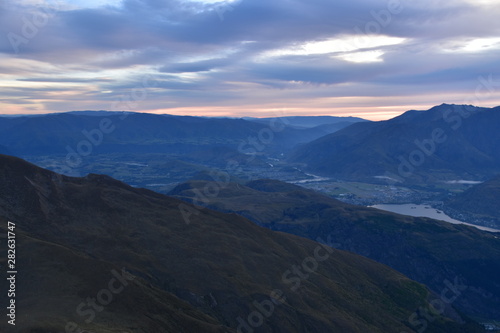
(426, 211)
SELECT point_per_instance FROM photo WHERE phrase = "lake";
(426, 211)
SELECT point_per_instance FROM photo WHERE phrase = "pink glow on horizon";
(370, 113)
(374, 113)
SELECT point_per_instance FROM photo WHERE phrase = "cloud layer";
(368, 58)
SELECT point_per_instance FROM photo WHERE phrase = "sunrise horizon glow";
(364, 58)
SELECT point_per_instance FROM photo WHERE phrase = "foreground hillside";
(429, 251)
(447, 142)
(216, 273)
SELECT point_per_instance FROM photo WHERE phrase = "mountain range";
(447, 142)
(128, 132)
(97, 255)
(419, 148)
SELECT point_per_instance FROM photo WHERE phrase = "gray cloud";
(62, 80)
(199, 59)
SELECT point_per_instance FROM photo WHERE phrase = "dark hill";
(428, 251)
(195, 275)
(447, 142)
(146, 133)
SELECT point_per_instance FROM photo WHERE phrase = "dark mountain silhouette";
(217, 273)
(426, 250)
(128, 132)
(447, 142)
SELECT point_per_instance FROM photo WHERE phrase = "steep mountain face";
(106, 257)
(482, 200)
(146, 133)
(429, 251)
(447, 142)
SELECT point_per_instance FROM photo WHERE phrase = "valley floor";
(161, 173)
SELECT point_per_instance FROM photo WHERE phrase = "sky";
(368, 58)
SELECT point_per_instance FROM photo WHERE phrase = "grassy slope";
(53, 280)
(219, 263)
(426, 250)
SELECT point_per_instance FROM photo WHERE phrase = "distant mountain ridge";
(447, 142)
(141, 132)
(311, 121)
